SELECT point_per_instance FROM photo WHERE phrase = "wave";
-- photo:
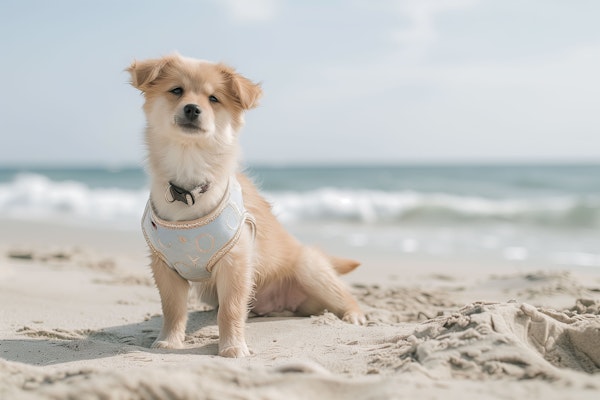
(36, 197)
(33, 196)
(379, 207)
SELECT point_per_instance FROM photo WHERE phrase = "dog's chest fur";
(189, 166)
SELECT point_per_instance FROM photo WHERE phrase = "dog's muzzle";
(189, 118)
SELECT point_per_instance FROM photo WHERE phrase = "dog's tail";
(343, 265)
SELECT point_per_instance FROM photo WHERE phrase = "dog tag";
(180, 194)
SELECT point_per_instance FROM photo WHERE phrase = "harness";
(192, 248)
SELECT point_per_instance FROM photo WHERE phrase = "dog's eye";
(176, 91)
(213, 99)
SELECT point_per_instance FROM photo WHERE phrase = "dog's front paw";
(167, 344)
(354, 317)
(235, 351)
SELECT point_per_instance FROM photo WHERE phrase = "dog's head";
(192, 99)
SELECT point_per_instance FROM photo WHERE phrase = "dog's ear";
(245, 92)
(143, 73)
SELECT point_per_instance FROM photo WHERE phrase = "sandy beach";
(79, 312)
(451, 147)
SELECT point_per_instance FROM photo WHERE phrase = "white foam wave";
(367, 206)
(33, 196)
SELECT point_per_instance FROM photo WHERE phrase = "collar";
(185, 196)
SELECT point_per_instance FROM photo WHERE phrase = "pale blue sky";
(344, 81)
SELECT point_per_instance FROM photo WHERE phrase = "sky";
(344, 81)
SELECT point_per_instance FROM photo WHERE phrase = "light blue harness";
(192, 248)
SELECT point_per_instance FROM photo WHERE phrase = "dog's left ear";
(143, 73)
(245, 92)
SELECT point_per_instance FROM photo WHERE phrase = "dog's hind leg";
(319, 280)
(173, 290)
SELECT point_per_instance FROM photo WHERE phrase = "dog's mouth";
(189, 127)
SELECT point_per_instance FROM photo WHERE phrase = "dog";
(206, 224)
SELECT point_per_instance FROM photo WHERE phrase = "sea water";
(547, 213)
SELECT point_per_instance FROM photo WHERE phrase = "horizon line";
(322, 164)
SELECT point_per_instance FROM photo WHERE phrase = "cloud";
(251, 11)
(420, 31)
(572, 68)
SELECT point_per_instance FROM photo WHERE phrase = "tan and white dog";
(194, 111)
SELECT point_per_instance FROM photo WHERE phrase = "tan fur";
(270, 272)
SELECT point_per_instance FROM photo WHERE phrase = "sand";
(79, 311)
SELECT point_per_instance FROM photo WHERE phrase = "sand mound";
(497, 340)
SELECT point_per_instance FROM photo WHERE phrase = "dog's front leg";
(234, 287)
(173, 290)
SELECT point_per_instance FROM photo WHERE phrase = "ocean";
(548, 214)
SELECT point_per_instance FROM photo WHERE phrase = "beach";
(450, 148)
(80, 310)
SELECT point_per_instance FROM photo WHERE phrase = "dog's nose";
(191, 111)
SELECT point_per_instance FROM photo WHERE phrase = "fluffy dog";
(206, 224)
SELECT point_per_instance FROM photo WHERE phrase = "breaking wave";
(414, 207)
(34, 196)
